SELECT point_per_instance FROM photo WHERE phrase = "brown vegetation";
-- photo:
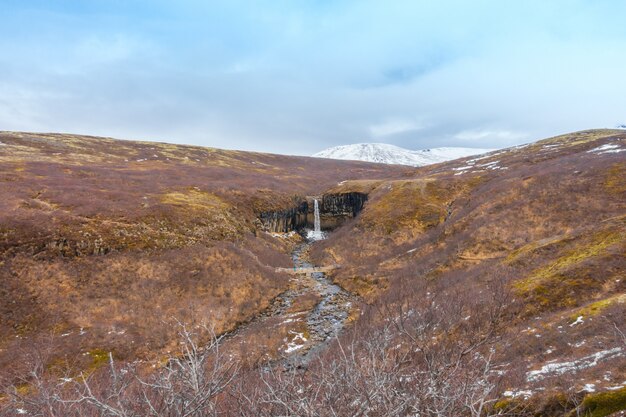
(550, 218)
(475, 274)
(101, 240)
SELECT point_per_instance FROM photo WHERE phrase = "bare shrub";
(189, 385)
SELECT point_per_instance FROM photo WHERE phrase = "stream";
(300, 321)
(327, 318)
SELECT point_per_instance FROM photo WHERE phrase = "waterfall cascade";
(317, 227)
(316, 233)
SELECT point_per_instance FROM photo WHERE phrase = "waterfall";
(317, 228)
(316, 233)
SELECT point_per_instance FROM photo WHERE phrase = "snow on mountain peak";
(390, 154)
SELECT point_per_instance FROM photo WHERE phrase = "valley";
(496, 279)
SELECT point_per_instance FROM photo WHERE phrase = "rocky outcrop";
(346, 204)
(283, 221)
(335, 209)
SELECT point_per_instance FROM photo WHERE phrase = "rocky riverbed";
(300, 321)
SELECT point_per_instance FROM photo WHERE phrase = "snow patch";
(463, 168)
(589, 387)
(488, 164)
(573, 366)
(480, 158)
(515, 394)
(607, 148)
(294, 345)
(283, 235)
(287, 321)
(491, 166)
(579, 320)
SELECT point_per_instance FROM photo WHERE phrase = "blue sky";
(299, 76)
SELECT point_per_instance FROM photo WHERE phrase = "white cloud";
(285, 77)
(500, 135)
(393, 127)
(111, 49)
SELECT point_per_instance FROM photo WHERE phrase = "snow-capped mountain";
(390, 154)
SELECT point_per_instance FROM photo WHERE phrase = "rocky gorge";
(335, 209)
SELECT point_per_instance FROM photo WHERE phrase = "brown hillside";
(548, 220)
(102, 240)
(504, 271)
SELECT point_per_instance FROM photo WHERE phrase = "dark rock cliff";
(347, 204)
(335, 209)
(284, 221)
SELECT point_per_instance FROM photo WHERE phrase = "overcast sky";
(297, 76)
